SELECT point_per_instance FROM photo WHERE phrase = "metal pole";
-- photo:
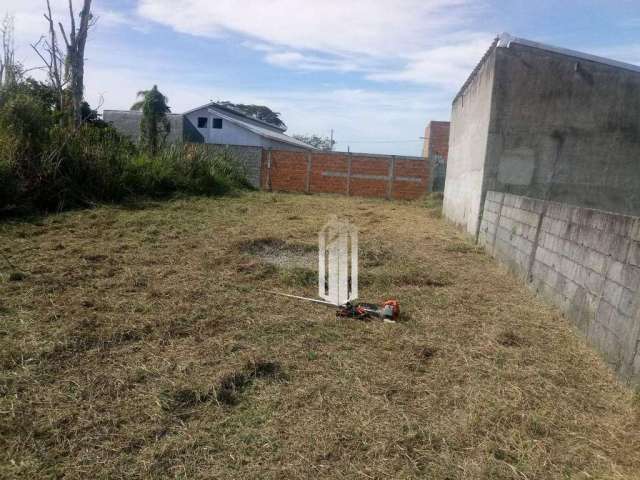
(348, 174)
(307, 180)
(269, 169)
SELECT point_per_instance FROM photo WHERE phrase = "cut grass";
(137, 345)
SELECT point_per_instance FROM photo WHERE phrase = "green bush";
(190, 168)
(47, 166)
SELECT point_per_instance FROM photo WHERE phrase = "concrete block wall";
(585, 261)
(249, 159)
(127, 122)
(383, 176)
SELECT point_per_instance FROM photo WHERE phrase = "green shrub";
(47, 166)
(190, 168)
(8, 179)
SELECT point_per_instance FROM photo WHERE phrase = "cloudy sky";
(375, 71)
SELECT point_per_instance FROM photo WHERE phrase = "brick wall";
(436, 139)
(585, 261)
(436, 151)
(383, 176)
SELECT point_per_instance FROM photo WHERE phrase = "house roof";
(505, 40)
(236, 113)
(264, 132)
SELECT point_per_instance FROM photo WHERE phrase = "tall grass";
(189, 168)
(49, 167)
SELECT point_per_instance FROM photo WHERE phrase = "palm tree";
(154, 118)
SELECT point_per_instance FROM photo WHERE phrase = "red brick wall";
(436, 139)
(322, 172)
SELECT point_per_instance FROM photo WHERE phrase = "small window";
(216, 123)
(202, 122)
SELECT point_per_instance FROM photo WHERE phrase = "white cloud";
(398, 41)
(363, 116)
(446, 65)
(300, 61)
(30, 24)
(370, 27)
(375, 39)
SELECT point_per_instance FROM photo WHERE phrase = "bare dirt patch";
(277, 252)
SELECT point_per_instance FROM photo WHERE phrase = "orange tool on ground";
(388, 312)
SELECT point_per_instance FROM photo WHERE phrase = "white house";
(212, 123)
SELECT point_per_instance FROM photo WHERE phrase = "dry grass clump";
(509, 338)
(228, 391)
(129, 350)
(17, 276)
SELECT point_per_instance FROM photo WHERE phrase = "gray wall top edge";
(632, 217)
(475, 71)
(505, 40)
(137, 112)
(362, 154)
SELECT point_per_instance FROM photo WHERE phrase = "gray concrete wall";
(127, 122)
(561, 128)
(565, 129)
(468, 136)
(438, 166)
(249, 158)
(585, 261)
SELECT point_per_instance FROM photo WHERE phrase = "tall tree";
(49, 52)
(74, 61)
(155, 125)
(317, 141)
(68, 69)
(259, 112)
(9, 69)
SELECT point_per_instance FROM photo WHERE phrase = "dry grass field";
(135, 344)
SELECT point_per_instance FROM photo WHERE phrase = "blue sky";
(375, 71)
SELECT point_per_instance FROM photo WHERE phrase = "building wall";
(468, 141)
(436, 150)
(436, 139)
(585, 261)
(249, 158)
(565, 129)
(229, 134)
(383, 176)
(127, 122)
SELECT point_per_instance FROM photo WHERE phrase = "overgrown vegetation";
(56, 153)
(317, 141)
(154, 126)
(49, 165)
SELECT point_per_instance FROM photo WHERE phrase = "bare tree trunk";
(49, 52)
(73, 74)
(7, 61)
(74, 64)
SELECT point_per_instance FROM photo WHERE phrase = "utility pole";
(331, 142)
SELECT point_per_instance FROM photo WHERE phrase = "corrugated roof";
(263, 132)
(217, 106)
